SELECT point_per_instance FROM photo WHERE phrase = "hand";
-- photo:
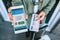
(26, 16)
(10, 15)
(41, 16)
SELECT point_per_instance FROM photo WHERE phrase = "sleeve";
(49, 7)
(25, 5)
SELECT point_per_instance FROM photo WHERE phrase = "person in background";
(44, 7)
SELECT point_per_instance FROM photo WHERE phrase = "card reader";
(19, 22)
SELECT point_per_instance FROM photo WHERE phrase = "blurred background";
(7, 33)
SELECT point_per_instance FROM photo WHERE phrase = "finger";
(25, 16)
(39, 16)
(42, 17)
(10, 15)
(11, 19)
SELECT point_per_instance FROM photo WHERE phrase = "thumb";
(25, 16)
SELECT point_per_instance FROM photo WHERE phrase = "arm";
(49, 7)
(46, 10)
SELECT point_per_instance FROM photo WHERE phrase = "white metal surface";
(4, 11)
(55, 17)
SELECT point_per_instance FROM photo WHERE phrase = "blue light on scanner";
(17, 11)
